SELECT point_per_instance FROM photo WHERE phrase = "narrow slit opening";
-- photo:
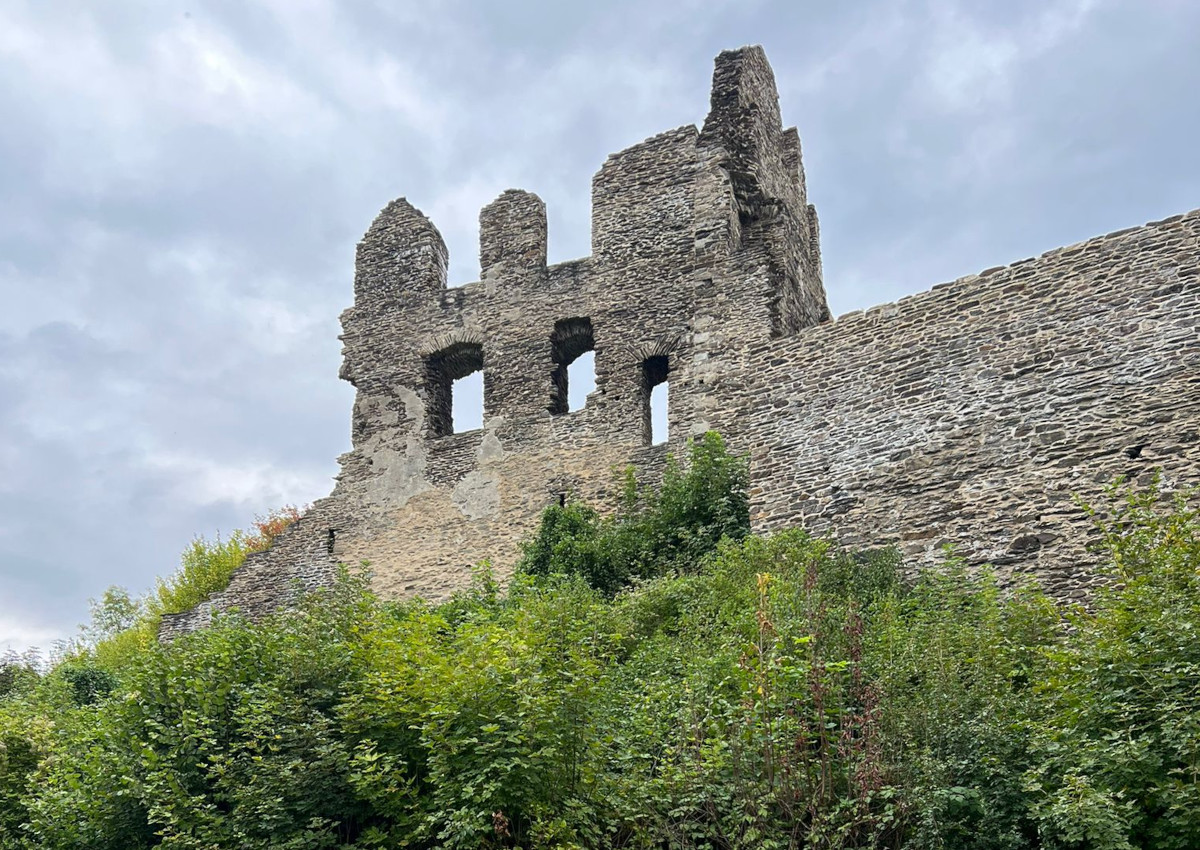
(655, 397)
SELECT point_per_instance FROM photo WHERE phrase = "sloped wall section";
(970, 415)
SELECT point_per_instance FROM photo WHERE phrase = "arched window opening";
(454, 387)
(655, 389)
(572, 349)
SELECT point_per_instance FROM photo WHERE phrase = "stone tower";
(702, 241)
(972, 415)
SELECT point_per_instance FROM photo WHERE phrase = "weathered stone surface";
(971, 415)
(974, 414)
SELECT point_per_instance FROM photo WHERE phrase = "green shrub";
(712, 690)
(654, 531)
(1118, 743)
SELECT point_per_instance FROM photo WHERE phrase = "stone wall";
(976, 413)
(971, 414)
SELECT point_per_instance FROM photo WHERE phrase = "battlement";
(512, 238)
(669, 215)
(401, 253)
(685, 196)
(968, 415)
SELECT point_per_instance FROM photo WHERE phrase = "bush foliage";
(705, 689)
(654, 531)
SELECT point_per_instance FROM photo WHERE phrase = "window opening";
(466, 399)
(581, 380)
(572, 348)
(658, 413)
(454, 384)
(655, 390)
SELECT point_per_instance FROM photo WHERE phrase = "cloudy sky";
(182, 185)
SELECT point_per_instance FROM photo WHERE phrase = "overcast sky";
(182, 185)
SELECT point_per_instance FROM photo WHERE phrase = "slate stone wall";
(976, 413)
(969, 415)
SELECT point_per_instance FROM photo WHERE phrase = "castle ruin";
(971, 414)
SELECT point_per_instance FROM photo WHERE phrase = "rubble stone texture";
(973, 414)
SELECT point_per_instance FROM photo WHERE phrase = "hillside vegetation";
(656, 678)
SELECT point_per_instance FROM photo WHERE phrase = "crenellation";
(642, 203)
(744, 121)
(401, 253)
(512, 239)
(971, 415)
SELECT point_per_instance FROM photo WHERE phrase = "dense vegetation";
(659, 679)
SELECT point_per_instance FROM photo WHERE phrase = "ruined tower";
(968, 415)
(702, 241)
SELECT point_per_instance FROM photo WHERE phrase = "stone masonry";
(972, 414)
